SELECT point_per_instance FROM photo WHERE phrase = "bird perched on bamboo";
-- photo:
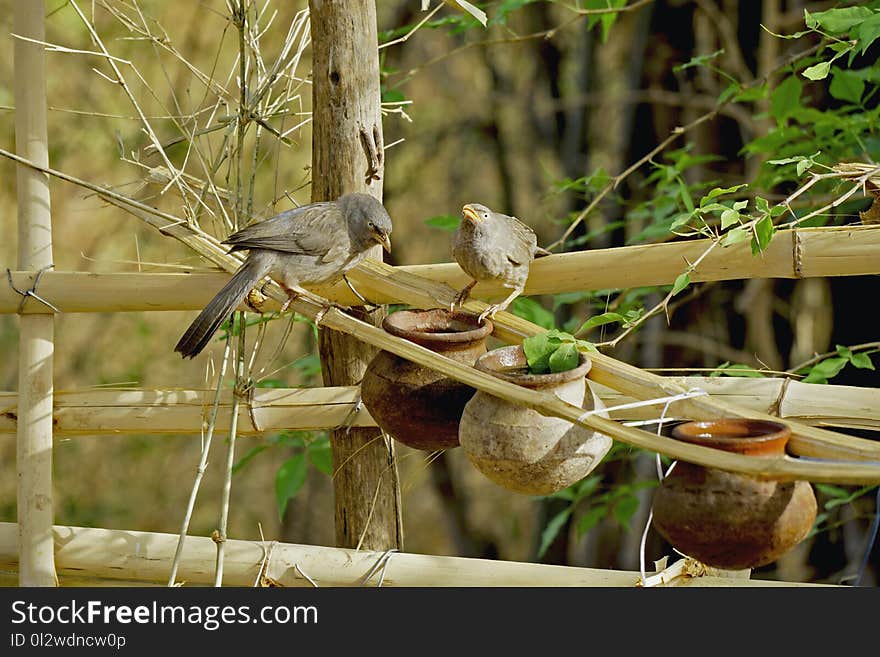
(490, 246)
(310, 245)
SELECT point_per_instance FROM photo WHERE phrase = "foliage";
(553, 351)
(307, 447)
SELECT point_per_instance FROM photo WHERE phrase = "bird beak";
(470, 214)
(385, 241)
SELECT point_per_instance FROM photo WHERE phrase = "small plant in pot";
(517, 447)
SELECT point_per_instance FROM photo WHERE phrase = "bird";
(309, 245)
(490, 246)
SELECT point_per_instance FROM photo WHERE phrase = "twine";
(31, 292)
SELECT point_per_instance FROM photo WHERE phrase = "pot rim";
(736, 434)
(515, 357)
(405, 324)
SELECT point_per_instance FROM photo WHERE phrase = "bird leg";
(495, 307)
(462, 296)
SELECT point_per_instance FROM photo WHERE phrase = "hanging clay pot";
(733, 520)
(417, 405)
(517, 447)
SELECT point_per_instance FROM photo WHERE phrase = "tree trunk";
(346, 143)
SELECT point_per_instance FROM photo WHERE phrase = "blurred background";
(529, 115)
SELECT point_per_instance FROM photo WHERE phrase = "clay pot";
(733, 520)
(517, 447)
(415, 404)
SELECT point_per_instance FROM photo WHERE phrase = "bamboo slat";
(145, 557)
(831, 251)
(268, 410)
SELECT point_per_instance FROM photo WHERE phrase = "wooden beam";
(347, 156)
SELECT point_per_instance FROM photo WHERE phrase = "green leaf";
(786, 98)
(826, 369)
(565, 358)
(832, 491)
(736, 235)
(803, 165)
(590, 519)
(762, 205)
(538, 349)
(837, 21)
(699, 60)
(551, 531)
(393, 96)
(244, 460)
(728, 218)
(868, 32)
(817, 71)
(764, 230)
(681, 282)
(862, 361)
(736, 369)
(720, 191)
(321, 455)
(288, 480)
(600, 320)
(847, 86)
(625, 508)
(444, 222)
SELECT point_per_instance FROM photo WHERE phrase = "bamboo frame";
(143, 558)
(36, 332)
(268, 410)
(798, 253)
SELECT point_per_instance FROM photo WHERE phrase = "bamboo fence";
(31, 545)
(268, 410)
(93, 557)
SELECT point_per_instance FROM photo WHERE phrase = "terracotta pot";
(517, 447)
(415, 404)
(733, 520)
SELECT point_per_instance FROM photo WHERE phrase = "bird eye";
(371, 225)
(485, 215)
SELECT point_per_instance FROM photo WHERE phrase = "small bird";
(313, 244)
(490, 246)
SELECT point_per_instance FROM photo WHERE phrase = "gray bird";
(314, 244)
(490, 246)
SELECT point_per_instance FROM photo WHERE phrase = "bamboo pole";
(143, 557)
(820, 252)
(36, 332)
(269, 410)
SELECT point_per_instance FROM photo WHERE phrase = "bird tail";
(540, 253)
(219, 308)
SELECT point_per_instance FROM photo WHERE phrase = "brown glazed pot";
(517, 447)
(733, 520)
(415, 404)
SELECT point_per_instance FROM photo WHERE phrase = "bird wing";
(309, 230)
(523, 241)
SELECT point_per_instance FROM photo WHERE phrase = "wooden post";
(346, 142)
(36, 347)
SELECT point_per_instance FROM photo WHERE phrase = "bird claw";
(488, 312)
